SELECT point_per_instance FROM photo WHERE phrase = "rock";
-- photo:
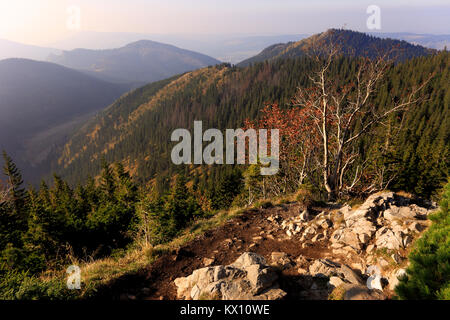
(247, 278)
(336, 282)
(323, 268)
(386, 238)
(207, 262)
(195, 292)
(406, 241)
(345, 210)
(309, 232)
(281, 260)
(302, 271)
(359, 292)
(364, 238)
(396, 257)
(260, 277)
(327, 223)
(370, 248)
(358, 266)
(306, 244)
(346, 237)
(289, 233)
(350, 275)
(383, 263)
(318, 237)
(271, 294)
(301, 261)
(248, 259)
(305, 216)
(416, 227)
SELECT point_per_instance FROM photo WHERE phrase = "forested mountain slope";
(136, 129)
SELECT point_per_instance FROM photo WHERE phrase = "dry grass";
(103, 271)
(338, 293)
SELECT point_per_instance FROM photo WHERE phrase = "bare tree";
(343, 114)
(5, 193)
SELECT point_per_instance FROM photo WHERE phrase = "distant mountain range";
(10, 49)
(41, 103)
(433, 41)
(232, 48)
(351, 43)
(138, 62)
(227, 48)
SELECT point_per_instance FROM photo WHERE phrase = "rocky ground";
(285, 252)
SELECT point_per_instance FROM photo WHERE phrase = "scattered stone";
(336, 281)
(281, 260)
(326, 224)
(396, 257)
(318, 237)
(207, 262)
(302, 271)
(305, 216)
(350, 275)
(383, 263)
(323, 268)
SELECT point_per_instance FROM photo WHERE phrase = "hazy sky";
(42, 22)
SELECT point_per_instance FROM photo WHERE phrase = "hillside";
(351, 43)
(136, 129)
(41, 103)
(138, 62)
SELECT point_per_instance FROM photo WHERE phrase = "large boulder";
(345, 237)
(248, 278)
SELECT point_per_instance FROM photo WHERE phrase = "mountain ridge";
(350, 43)
(141, 62)
(42, 102)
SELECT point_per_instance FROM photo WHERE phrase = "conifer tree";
(18, 193)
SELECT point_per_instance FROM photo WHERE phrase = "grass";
(103, 271)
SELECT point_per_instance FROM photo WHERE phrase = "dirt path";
(250, 232)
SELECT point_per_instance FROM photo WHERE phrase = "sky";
(42, 22)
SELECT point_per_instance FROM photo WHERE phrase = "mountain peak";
(139, 62)
(351, 43)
